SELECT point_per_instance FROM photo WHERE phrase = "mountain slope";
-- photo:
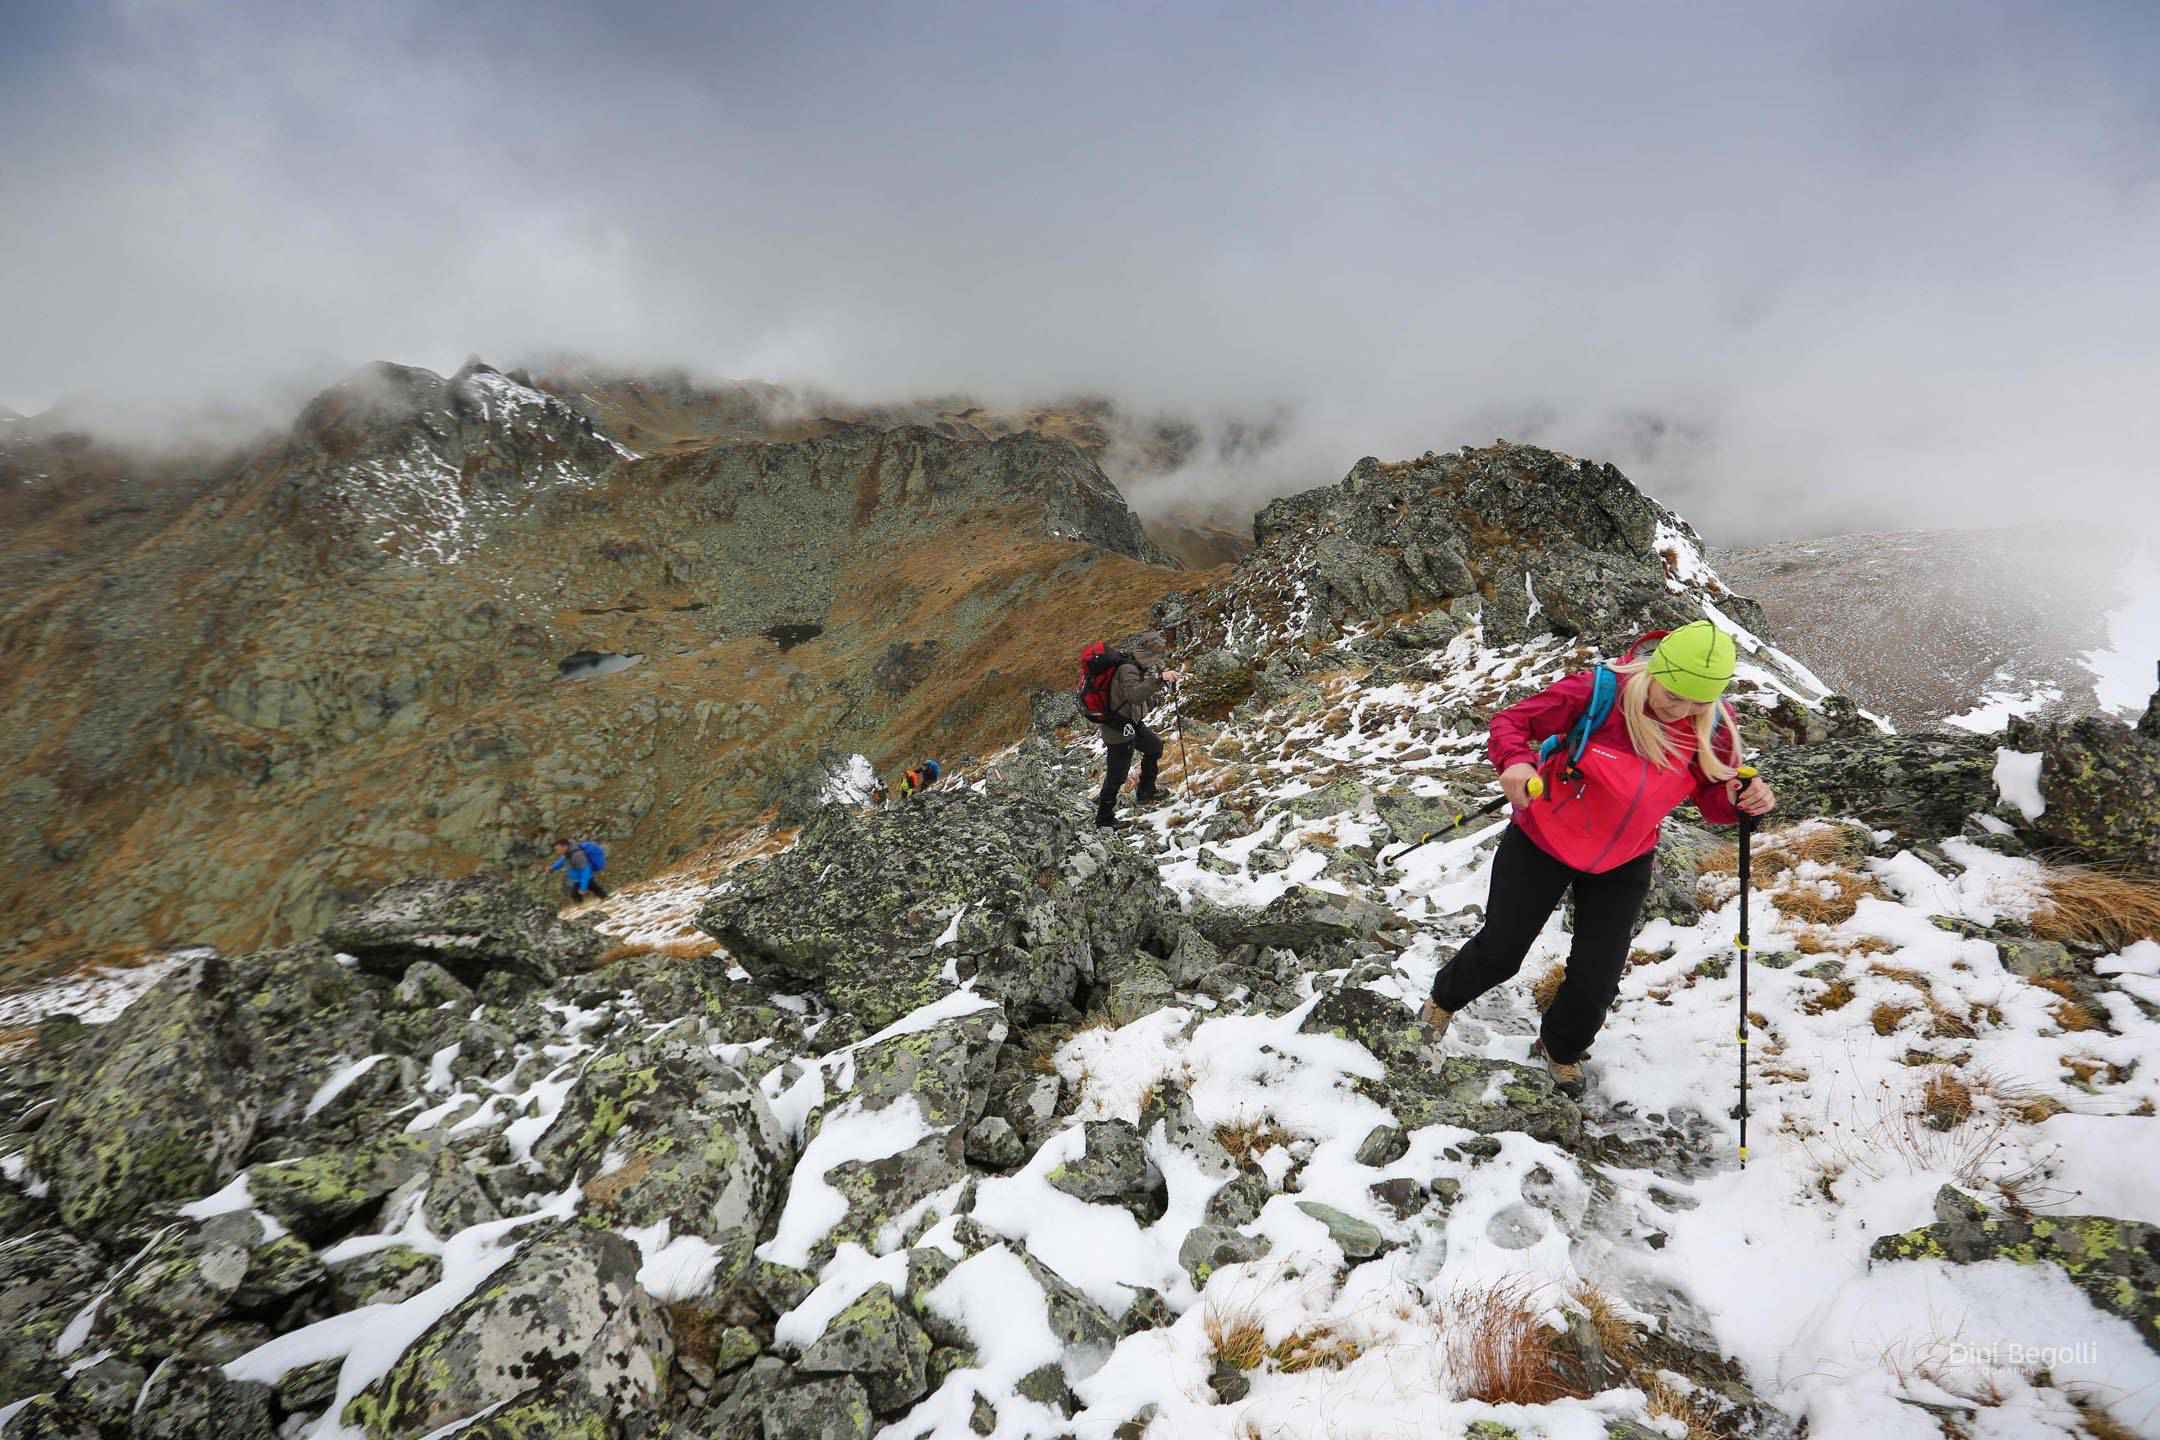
(357, 646)
(1963, 628)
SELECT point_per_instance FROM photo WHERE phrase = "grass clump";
(2106, 905)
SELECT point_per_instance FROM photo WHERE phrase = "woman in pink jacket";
(1667, 739)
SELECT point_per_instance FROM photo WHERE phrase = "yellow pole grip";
(1536, 787)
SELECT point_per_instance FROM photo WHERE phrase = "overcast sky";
(1796, 267)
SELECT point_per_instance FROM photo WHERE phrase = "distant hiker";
(918, 778)
(1116, 691)
(1618, 748)
(584, 860)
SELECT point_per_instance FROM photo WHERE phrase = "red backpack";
(1098, 667)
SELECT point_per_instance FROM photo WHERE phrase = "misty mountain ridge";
(960, 1114)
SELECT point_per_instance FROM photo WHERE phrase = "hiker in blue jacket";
(581, 858)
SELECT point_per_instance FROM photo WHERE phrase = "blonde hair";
(1650, 736)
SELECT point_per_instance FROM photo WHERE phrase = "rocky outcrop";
(1535, 542)
(161, 1113)
(1008, 886)
(2101, 781)
(472, 928)
(1920, 787)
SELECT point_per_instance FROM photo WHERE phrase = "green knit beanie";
(1695, 662)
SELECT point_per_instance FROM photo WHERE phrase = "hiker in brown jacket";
(1133, 690)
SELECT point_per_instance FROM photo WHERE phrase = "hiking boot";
(1569, 1080)
(1108, 823)
(1146, 798)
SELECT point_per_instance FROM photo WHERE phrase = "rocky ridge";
(967, 1118)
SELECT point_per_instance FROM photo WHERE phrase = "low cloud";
(1796, 270)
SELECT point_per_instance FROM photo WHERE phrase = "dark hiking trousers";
(1118, 763)
(1526, 884)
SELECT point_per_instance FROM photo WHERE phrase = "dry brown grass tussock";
(2108, 905)
(1547, 988)
(1836, 996)
(1497, 1348)
(696, 949)
(1317, 1347)
(1235, 1338)
(1248, 1139)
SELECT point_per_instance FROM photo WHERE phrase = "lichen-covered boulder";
(196, 1273)
(563, 1329)
(885, 911)
(1303, 917)
(1113, 1168)
(877, 1341)
(694, 1142)
(1920, 787)
(472, 928)
(46, 1278)
(835, 1409)
(165, 1113)
(2101, 781)
(2115, 1262)
(188, 1400)
(383, 1277)
(934, 1078)
(1208, 1248)
(321, 1196)
(50, 1417)
(1464, 1090)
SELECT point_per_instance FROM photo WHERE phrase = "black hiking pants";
(1526, 884)
(1118, 753)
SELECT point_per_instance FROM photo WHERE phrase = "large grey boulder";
(877, 1340)
(563, 1329)
(165, 1112)
(321, 1196)
(2101, 781)
(884, 911)
(1113, 1168)
(825, 1409)
(472, 928)
(197, 1273)
(943, 1071)
(1921, 787)
(697, 1142)
(1304, 917)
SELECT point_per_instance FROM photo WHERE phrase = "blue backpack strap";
(1604, 689)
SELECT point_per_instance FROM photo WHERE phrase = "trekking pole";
(1177, 713)
(1747, 837)
(1537, 788)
